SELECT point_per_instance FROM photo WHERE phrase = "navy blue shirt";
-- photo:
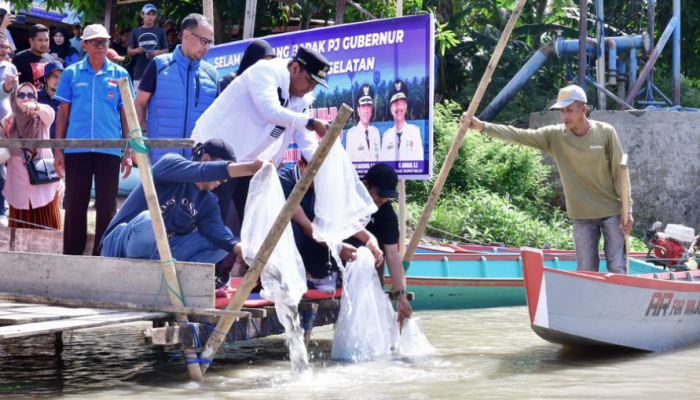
(183, 206)
(44, 98)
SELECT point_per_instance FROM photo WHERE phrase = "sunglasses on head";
(23, 95)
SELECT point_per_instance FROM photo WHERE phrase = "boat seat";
(656, 276)
(690, 277)
(672, 276)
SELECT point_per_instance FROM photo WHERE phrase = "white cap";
(95, 31)
(568, 95)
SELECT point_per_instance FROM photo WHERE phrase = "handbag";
(41, 171)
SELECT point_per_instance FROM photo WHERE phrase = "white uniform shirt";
(361, 146)
(410, 148)
(249, 115)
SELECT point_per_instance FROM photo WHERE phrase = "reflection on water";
(483, 354)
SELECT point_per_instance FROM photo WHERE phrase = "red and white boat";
(651, 312)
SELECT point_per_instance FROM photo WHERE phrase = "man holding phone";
(30, 63)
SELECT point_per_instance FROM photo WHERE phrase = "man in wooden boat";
(190, 211)
(382, 232)
(588, 155)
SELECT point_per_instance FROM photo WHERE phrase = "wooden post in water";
(457, 143)
(268, 246)
(624, 180)
(159, 228)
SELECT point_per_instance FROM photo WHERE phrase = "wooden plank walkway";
(22, 320)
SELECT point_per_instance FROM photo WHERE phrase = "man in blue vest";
(178, 87)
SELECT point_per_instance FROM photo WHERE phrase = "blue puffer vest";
(185, 89)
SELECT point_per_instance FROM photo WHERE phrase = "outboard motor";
(670, 248)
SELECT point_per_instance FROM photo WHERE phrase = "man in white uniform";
(363, 142)
(402, 142)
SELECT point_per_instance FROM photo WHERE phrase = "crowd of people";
(67, 89)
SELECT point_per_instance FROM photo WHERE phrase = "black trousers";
(80, 169)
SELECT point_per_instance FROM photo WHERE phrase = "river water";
(483, 354)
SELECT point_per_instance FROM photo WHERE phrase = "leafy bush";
(480, 216)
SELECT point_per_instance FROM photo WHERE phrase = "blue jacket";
(185, 88)
(183, 206)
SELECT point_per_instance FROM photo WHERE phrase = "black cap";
(77, 25)
(215, 148)
(314, 63)
(398, 91)
(384, 180)
(365, 95)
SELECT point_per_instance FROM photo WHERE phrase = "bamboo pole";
(93, 143)
(624, 178)
(454, 149)
(268, 246)
(159, 228)
(25, 298)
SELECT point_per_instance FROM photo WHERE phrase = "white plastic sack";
(366, 327)
(283, 277)
(343, 205)
(413, 342)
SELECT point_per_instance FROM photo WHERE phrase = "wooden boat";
(467, 276)
(651, 312)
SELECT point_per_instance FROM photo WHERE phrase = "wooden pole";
(159, 228)
(25, 298)
(624, 178)
(249, 21)
(268, 246)
(208, 11)
(454, 149)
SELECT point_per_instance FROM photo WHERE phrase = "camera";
(20, 19)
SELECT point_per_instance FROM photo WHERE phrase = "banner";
(384, 70)
(39, 9)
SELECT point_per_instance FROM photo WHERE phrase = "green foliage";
(513, 172)
(480, 216)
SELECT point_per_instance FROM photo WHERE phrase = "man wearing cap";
(91, 108)
(30, 63)
(262, 111)
(402, 142)
(146, 42)
(176, 88)
(382, 232)
(52, 74)
(363, 142)
(190, 211)
(588, 155)
(77, 39)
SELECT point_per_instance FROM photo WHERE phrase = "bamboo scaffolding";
(149, 190)
(624, 180)
(457, 143)
(217, 337)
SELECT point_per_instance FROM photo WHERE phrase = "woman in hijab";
(35, 204)
(61, 50)
(257, 50)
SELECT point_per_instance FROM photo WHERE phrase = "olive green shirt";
(589, 165)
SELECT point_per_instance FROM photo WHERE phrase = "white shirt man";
(403, 141)
(363, 143)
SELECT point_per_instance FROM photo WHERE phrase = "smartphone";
(21, 19)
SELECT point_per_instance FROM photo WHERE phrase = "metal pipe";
(623, 43)
(621, 81)
(600, 64)
(651, 31)
(649, 66)
(633, 67)
(605, 91)
(612, 61)
(663, 96)
(677, 54)
(582, 35)
(513, 87)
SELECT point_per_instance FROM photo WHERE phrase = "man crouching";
(190, 211)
